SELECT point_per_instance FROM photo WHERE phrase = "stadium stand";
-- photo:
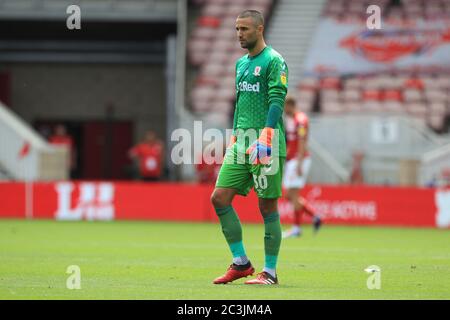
(213, 50)
(414, 97)
(424, 96)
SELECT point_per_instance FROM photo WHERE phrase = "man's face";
(150, 136)
(248, 33)
(289, 109)
(60, 130)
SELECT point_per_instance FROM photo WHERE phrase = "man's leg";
(267, 182)
(272, 242)
(221, 199)
(272, 233)
(293, 197)
(301, 207)
(309, 210)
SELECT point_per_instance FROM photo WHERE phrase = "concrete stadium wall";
(82, 91)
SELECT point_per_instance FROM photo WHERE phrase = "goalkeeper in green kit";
(256, 153)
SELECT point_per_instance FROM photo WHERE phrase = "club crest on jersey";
(257, 71)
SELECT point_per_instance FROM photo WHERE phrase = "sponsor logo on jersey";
(257, 71)
(248, 87)
(302, 131)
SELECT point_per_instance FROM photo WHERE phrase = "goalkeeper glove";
(261, 149)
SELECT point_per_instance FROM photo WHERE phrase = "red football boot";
(263, 278)
(235, 272)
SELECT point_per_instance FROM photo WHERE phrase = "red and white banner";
(353, 48)
(348, 205)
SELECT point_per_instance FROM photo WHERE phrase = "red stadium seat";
(414, 83)
(392, 95)
(372, 95)
(209, 21)
(330, 83)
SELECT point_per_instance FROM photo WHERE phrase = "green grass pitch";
(159, 260)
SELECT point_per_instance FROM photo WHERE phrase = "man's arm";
(261, 150)
(277, 90)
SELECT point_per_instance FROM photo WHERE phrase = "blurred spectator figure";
(148, 156)
(433, 183)
(208, 168)
(357, 176)
(60, 137)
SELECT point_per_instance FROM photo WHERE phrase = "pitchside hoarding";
(389, 206)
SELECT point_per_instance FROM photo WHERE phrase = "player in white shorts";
(298, 163)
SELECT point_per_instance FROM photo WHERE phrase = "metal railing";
(433, 163)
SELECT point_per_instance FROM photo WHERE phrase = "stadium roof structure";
(98, 10)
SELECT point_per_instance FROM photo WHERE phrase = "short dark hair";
(257, 16)
(290, 100)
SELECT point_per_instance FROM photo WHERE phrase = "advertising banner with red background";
(389, 206)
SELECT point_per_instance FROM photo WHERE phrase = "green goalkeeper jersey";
(261, 81)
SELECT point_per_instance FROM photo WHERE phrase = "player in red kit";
(298, 163)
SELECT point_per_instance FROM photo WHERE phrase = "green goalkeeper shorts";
(237, 173)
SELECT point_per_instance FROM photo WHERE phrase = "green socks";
(272, 240)
(232, 230)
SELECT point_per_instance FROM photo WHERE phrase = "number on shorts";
(260, 182)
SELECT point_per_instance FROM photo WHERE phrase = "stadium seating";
(423, 96)
(213, 49)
